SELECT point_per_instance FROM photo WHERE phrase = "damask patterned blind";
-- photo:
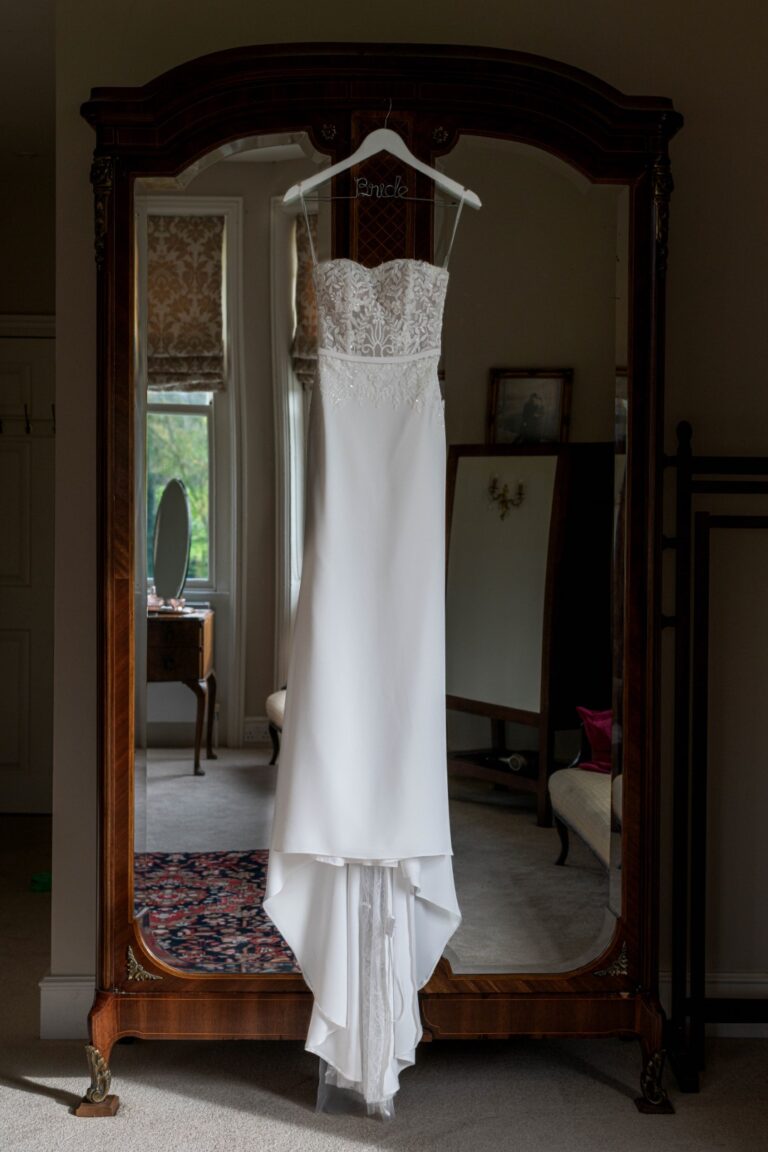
(304, 347)
(185, 335)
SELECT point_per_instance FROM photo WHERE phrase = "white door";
(26, 573)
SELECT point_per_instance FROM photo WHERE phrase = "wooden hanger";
(382, 140)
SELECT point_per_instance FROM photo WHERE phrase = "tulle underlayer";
(367, 936)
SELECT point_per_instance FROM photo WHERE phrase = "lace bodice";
(394, 309)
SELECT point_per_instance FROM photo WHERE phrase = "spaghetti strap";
(309, 233)
(455, 227)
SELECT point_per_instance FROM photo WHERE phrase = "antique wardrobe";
(465, 109)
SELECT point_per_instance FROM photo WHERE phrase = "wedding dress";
(360, 878)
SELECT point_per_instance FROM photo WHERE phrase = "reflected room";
(534, 382)
(221, 403)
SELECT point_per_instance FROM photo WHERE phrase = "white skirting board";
(724, 985)
(65, 1002)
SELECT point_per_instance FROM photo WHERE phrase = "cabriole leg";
(654, 1097)
(97, 1100)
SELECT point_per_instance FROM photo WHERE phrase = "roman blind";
(185, 332)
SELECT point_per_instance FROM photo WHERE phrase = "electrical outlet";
(255, 730)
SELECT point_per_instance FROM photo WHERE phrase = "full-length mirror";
(535, 340)
(552, 377)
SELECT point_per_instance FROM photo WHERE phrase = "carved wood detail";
(102, 176)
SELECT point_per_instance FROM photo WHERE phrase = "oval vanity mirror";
(170, 549)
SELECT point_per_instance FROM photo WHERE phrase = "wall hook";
(386, 118)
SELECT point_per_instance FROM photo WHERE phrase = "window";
(179, 445)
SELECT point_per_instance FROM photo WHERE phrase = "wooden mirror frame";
(335, 92)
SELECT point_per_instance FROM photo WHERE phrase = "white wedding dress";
(360, 878)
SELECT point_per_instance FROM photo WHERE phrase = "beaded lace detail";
(395, 309)
(381, 383)
(379, 332)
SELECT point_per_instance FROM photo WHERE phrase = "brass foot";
(97, 1100)
(654, 1098)
(108, 1107)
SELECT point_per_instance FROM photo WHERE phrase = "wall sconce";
(503, 499)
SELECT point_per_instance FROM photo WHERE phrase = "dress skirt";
(360, 879)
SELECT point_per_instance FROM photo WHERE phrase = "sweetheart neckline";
(376, 267)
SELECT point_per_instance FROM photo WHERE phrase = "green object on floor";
(40, 882)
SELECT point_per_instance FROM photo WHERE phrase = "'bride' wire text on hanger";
(397, 190)
(383, 140)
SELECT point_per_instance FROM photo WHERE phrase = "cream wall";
(533, 284)
(27, 238)
(710, 61)
(27, 176)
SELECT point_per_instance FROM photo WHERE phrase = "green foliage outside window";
(178, 447)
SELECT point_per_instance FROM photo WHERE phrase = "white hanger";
(382, 140)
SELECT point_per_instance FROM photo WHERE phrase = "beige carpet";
(521, 912)
(522, 1095)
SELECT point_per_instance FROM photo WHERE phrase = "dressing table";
(180, 647)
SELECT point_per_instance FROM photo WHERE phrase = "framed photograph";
(528, 405)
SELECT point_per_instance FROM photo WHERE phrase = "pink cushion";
(598, 729)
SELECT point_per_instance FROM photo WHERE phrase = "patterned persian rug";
(202, 912)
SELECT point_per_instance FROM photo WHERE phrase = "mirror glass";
(534, 379)
(535, 339)
(171, 541)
